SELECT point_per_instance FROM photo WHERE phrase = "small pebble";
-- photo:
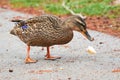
(6, 49)
(10, 70)
(100, 42)
(69, 78)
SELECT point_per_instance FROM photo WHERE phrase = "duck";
(48, 30)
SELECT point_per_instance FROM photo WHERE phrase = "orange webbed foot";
(29, 60)
(52, 57)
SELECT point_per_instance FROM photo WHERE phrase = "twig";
(72, 12)
(66, 7)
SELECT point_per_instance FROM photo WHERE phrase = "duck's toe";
(52, 57)
(29, 60)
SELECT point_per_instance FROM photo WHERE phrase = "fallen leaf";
(117, 50)
(32, 71)
(45, 71)
(116, 70)
(40, 71)
(66, 46)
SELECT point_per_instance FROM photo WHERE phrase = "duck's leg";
(49, 57)
(28, 59)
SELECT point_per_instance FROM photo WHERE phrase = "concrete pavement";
(75, 64)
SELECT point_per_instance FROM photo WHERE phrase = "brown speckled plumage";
(44, 30)
(48, 30)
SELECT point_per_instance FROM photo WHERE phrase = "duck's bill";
(86, 35)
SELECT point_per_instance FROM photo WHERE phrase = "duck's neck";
(68, 23)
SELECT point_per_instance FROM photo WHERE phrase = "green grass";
(86, 7)
(25, 3)
(56, 9)
(92, 7)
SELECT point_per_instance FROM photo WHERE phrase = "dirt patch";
(102, 24)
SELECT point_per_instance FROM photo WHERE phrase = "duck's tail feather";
(16, 20)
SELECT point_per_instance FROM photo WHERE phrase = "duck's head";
(78, 24)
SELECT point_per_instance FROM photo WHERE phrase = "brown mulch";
(102, 24)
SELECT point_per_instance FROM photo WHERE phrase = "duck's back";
(45, 30)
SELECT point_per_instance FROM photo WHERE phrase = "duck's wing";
(53, 21)
(39, 23)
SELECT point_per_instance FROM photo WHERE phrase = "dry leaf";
(40, 71)
(116, 70)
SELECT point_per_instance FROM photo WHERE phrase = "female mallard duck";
(48, 30)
